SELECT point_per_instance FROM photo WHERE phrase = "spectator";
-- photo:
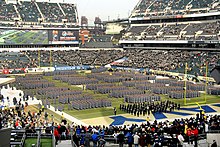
(120, 138)
(76, 139)
(136, 139)
(56, 134)
(214, 144)
(130, 138)
(87, 138)
(63, 131)
(95, 139)
(180, 139)
(195, 135)
(142, 140)
(101, 142)
(148, 140)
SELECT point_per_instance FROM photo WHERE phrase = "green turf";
(24, 38)
(44, 142)
(55, 115)
(100, 112)
(97, 112)
(27, 37)
(192, 101)
(30, 141)
(89, 113)
(14, 32)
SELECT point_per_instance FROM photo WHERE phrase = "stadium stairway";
(65, 143)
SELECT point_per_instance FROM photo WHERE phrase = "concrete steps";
(65, 143)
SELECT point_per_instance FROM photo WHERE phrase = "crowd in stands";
(10, 60)
(149, 133)
(147, 8)
(158, 60)
(167, 133)
(27, 15)
(7, 12)
(51, 12)
(70, 11)
(178, 31)
(40, 12)
(19, 116)
(170, 60)
(80, 57)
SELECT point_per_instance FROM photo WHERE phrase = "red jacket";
(189, 132)
(56, 133)
(195, 132)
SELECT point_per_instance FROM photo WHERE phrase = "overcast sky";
(105, 9)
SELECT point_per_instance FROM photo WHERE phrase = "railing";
(213, 131)
(18, 143)
(21, 134)
(23, 140)
(71, 136)
(53, 139)
(38, 137)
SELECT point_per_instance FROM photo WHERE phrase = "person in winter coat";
(142, 140)
(121, 138)
(130, 139)
(95, 139)
(56, 135)
(136, 139)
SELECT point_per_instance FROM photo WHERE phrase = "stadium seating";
(7, 11)
(70, 11)
(51, 12)
(28, 11)
(14, 61)
(32, 12)
(201, 30)
(151, 59)
(175, 7)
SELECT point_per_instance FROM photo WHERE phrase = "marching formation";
(149, 107)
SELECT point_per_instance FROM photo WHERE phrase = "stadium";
(151, 79)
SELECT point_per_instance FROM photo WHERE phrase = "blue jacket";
(130, 137)
(95, 137)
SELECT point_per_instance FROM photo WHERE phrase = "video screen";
(23, 36)
(63, 36)
(8, 37)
